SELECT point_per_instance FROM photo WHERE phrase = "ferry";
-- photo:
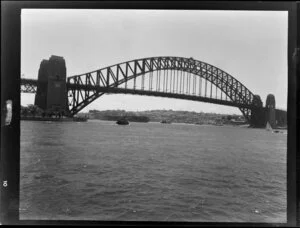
(122, 121)
(165, 122)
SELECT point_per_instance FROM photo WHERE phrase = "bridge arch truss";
(163, 75)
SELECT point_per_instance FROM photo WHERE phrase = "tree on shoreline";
(31, 110)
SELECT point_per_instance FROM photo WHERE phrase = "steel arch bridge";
(177, 77)
(164, 76)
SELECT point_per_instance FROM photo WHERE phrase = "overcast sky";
(249, 45)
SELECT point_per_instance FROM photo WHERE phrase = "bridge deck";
(113, 90)
(31, 83)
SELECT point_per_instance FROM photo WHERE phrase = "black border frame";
(10, 89)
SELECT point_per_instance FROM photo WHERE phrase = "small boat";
(268, 127)
(80, 119)
(165, 122)
(122, 121)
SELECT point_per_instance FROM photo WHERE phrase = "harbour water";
(98, 170)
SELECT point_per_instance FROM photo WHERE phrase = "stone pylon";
(52, 88)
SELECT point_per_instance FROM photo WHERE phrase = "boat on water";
(165, 122)
(269, 127)
(80, 119)
(122, 121)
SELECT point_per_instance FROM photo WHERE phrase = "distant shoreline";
(177, 123)
(62, 119)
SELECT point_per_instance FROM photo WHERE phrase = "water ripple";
(157, 173)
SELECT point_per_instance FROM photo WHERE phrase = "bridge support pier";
(270, 110)
(51, 93)
(260, 116)
(257, 114)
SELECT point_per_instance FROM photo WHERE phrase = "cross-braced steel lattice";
(177, 77)
(29, 85)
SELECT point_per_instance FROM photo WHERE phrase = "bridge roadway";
(115, 90)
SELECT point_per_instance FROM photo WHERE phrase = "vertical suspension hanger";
(171, 72)
(159, 73)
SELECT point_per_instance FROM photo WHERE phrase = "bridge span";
(166, 76)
